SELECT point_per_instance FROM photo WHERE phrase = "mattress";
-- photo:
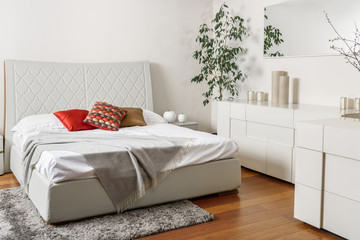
(60, 166)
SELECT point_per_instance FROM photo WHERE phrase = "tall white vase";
(275, 76)
(284, 90)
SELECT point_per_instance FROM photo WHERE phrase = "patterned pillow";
(105, 116)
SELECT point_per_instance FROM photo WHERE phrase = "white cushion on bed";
(152, 118)
(36, 123)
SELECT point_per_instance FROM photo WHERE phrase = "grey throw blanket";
(125, 165)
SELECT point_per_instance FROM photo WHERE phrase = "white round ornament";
(182, 117)
(169, 116)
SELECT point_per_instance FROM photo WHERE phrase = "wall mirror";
(304, 28)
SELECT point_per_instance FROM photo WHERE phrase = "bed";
(44, 87)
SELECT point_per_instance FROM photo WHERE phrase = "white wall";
(160, 31)
(322, 80)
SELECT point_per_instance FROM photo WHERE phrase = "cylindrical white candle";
(251, 96)
(357, 104)
(343, 103)
(260, 96)
(284, 90)
(266, 96)
(275, 85)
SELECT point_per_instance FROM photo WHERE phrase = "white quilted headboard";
(46, 87)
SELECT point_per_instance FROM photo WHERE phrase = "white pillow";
(36, 123)
(152, 118)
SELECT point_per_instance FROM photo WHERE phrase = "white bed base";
(71, 200)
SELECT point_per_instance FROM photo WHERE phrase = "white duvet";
(59, 166)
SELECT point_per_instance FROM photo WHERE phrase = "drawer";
(341, 216)
(237, 111)
(253, 154)
(279, 161)
(257, 130)
(309, 136)
(281, 135)
(309, 168)
(342, 142)
(270, 115)
(307, 205)
(237, 129)
(270, 133)
(342, 176)
(223, 119)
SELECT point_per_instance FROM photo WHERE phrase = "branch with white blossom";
(352, 49)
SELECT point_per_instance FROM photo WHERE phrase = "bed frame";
(45, 87)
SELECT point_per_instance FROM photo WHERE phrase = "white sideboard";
(266, 132)
(327, 184)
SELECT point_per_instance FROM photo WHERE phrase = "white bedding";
(59, 166)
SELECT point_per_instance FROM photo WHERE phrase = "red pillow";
(105, 116)
(73, 119)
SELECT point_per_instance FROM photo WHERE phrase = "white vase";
(283, 90)
(275, 85)
(169, 116)
(182, 117)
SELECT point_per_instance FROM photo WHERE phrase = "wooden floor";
(263, 209)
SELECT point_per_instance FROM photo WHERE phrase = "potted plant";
(220, 46)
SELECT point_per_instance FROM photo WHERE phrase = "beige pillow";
(134, 117)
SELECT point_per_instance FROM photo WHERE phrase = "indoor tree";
(220, 46)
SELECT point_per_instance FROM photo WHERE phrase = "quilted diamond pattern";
(119, 85)
(48, 89)
(51, 87)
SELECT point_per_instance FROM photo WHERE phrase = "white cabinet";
(277, 116)
(266, 133)
(341, 216)
(238, 129)
(237, 111)
(308, 209)
(267, 141)
(279, 161)
(270, 133)
(253, 154)
(223, 119)
(309, 136)
(327, 175)
(309, 165)
(308, 186)
(342, 141)
(342, 177)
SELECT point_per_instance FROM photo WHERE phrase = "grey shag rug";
(19, 219)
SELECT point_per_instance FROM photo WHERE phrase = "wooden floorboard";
(263, 208)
